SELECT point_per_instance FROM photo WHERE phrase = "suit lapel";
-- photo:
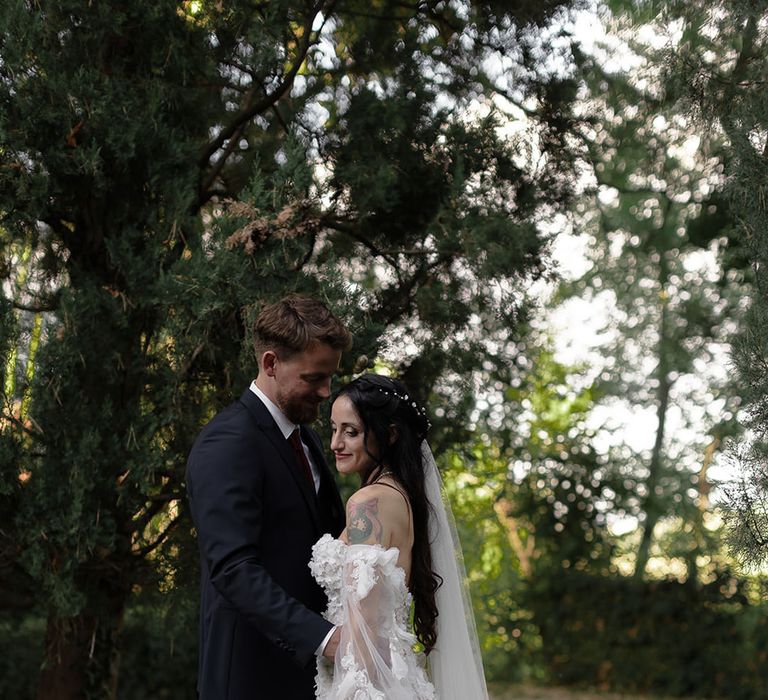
(311, 441)
(332, 517)
(268, 426)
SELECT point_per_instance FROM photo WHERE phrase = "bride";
(399, 551)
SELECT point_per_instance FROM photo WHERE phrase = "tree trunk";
(698, 534)
(523, 550)
(82, 652)
(652, 506)
(652, 510)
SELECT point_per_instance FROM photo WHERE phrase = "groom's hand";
(333, 644)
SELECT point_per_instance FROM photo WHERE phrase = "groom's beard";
(297, 409)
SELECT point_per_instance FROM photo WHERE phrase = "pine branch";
(219, 165)
(157, 503)
(308, 255)
(191, 360)
(370, 15)
(512, 100)
(352, 232)
(142, 552)
(406, 290)
(22, 426)
(250, 109)
(747, 52)
(737, 74)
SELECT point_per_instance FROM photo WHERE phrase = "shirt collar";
(286, 426)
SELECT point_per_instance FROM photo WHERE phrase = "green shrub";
(660, 636)
(158, 659)
(21, 649)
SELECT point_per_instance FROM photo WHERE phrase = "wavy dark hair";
(382, 404)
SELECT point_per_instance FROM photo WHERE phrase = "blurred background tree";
(666, 268)
(721, 79)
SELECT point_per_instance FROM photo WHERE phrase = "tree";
(720, 79)
(555, 501)
(169, 166)
(659, 239)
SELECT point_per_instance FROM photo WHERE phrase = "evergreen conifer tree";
(719, 71)
(165, 167)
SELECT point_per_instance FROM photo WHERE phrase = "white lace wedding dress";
(367, 595)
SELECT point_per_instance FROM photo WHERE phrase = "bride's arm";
(367, 596)
(380, 515)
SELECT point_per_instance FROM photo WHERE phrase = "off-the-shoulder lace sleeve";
(375, 659)
(326, 566)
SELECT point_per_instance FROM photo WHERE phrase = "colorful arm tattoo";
(363, 524)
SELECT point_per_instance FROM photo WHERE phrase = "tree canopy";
(167, 167)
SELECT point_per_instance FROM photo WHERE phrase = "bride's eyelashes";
(349, 432)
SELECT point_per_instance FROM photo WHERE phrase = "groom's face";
(303, 381)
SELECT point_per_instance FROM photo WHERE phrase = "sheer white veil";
(455, 663)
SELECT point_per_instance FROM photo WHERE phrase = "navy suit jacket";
(257, 518)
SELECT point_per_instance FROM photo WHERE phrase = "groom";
(261, 495)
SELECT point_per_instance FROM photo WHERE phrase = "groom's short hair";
(291, 325)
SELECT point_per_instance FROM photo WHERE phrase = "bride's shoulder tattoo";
(363, 524)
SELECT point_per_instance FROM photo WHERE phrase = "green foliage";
(667, 267)
(717, 71)
(661, 637)
(530, 498)
(173, 165)
(507, 636)
(21, 647)
(160, 659)
(561, 488)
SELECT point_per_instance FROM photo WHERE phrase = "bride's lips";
(341, 455)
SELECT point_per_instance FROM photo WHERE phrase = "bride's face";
(348, 439)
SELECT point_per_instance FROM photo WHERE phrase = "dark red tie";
(294, 440)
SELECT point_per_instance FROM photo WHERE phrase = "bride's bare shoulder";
(375, 514)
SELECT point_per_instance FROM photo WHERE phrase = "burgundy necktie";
(294, 440)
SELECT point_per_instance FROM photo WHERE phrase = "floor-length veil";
(455, 663)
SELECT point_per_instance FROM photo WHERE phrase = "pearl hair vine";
(409, 402)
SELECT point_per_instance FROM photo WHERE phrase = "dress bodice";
(369, 599)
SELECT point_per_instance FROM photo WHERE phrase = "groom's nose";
(324, 390)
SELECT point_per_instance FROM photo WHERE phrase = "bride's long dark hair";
(384, 405)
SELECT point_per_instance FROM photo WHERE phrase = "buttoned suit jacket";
(257, 518)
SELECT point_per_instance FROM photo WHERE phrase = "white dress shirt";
(286, 428)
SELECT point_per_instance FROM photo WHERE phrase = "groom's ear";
(267, 364)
